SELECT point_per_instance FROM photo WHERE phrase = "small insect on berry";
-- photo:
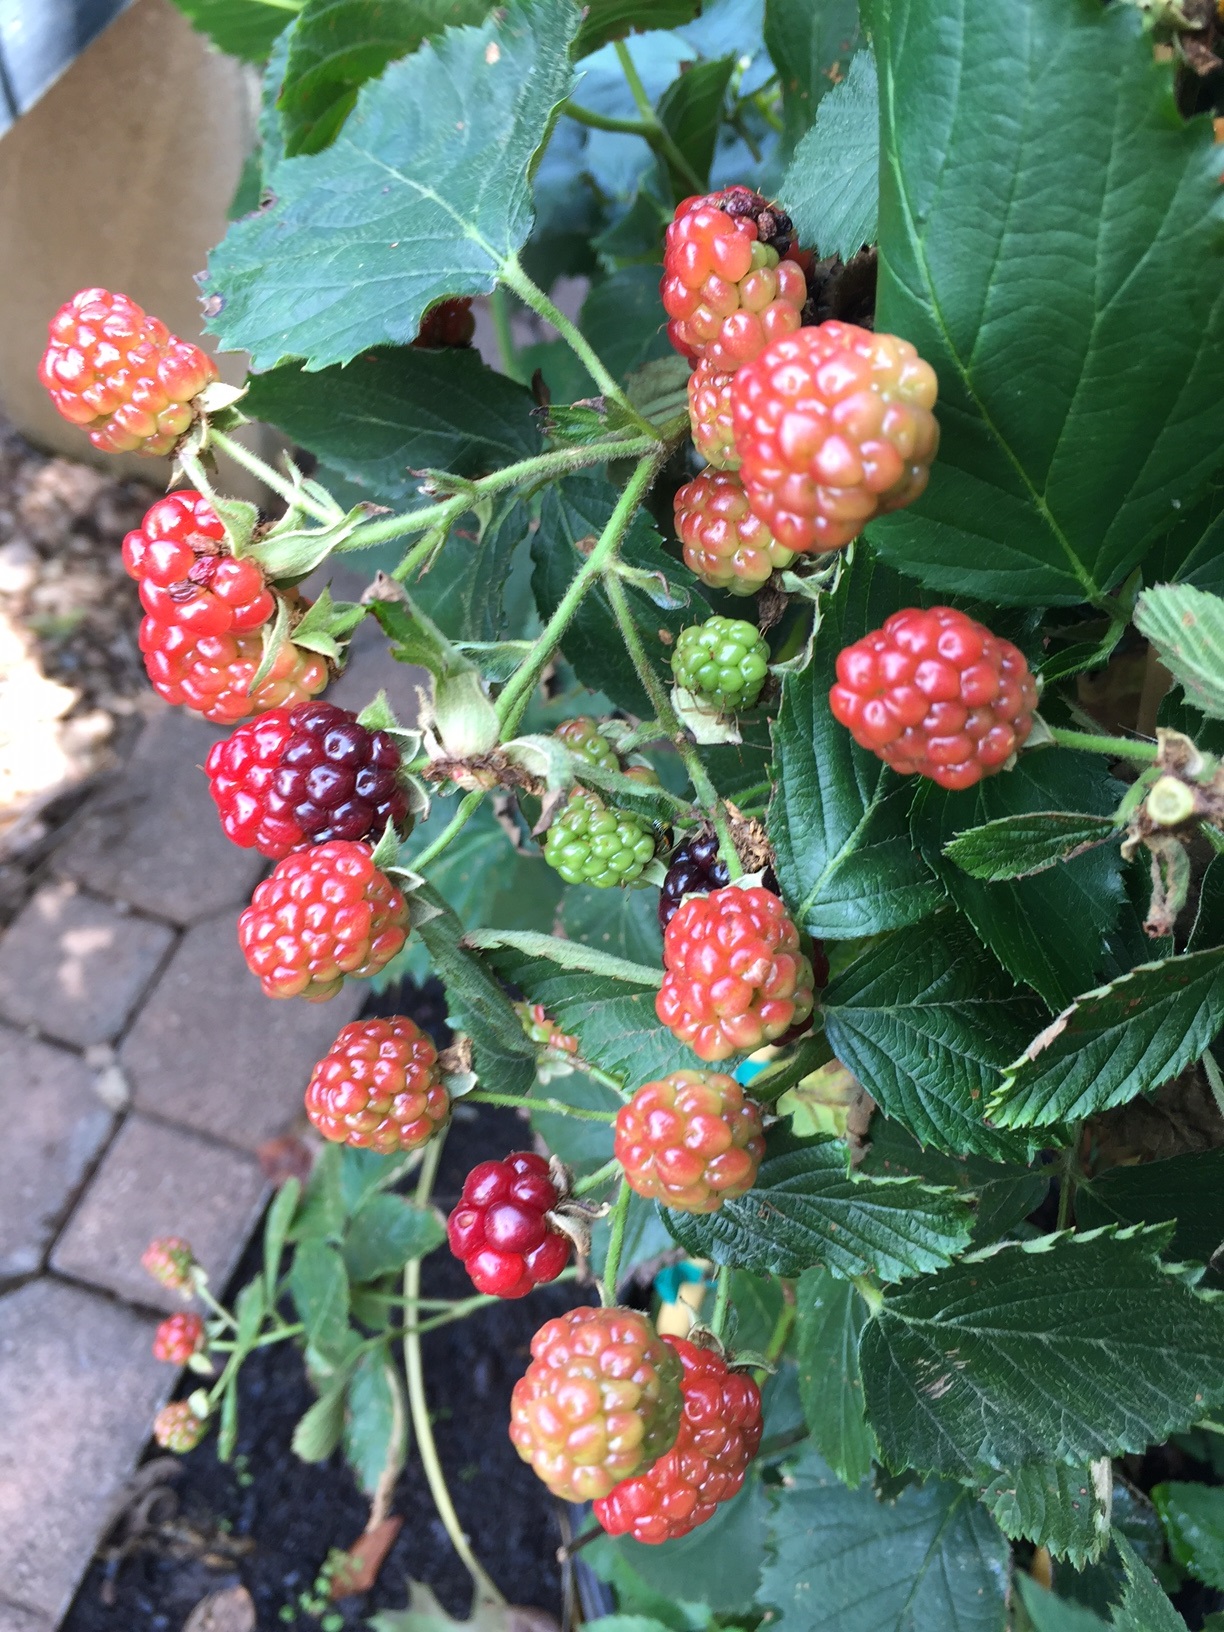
(178, 1338)
(501, 1231)
(378, 1087)
(121, 374)
(933, 693)
(599, 1402)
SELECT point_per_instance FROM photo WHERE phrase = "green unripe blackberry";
(723, 661)
(582, 736)
(588, 843)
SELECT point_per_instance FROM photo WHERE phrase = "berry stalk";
(483, 1589)
(1143, 753)
(722, 1302)
(295, 497)
(479, 1097)
(705, 790)
(616, 1244)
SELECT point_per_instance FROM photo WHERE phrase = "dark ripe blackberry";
(305, 775)
(695, 865)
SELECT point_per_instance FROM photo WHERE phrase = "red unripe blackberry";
(725, 544)
(500, 1228)
(187, 577)
(378, 1087)
(212, 674)
(730, 285)
(303, 775)
(121, 374)
(934, 693)
(736, 977)
(169, 1260)
(833, 426)
(720, 1433)
(709, 398)
(178, 1337)
(449, 323)
(599, 1402)
(322, 913)
(177, 1428)
(691, 1140)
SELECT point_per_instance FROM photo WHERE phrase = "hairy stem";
(651, 129)
(654, 688)
(468, 807)
(597, 1180)
(616, 1244)
(516, 694)
(656, 133)
(1143, 753)
(516, 280)
(1068, 1177)
(722, 1302)
(271, 478)
(483, 1588)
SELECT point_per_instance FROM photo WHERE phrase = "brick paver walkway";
(140, 1067)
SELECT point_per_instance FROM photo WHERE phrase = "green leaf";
(320, 1291)
(929, 1559)
(811, 43)
(1193, 1518)
(830, 1316)
(832, 187)
(385, 1233)
(376, 1423)
(393, 413)
(1144, 1607)
(1192, 552)
(572, 516)
(424, 194)
(1067, 1348)
(581, 1144)
(1048, 929)
(503, 1057)
(623, 320)
(320, 1428)
(1188, 1190)
(691, 111)
(616, 1026)
(337, 45)
(363, 1173)
(1051, 1614)
(986, 204)
(322, 1213)
(806, 1209)
(1186, 626)
(926, 1021)
(1116, 1042)
(244, 28)
(1005, 1193)
(1018, 846)
(837, 818)
(1052, 1504)
(276, 1232)
(606, 20)
(566, 955)
(627, 926)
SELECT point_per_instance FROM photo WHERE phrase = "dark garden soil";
(267, 1520)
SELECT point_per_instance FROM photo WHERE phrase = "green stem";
(541, 467)
(515, 279)
(418, 553)
(219, 1309)
(483, 1588)
(263, 1342)
(722, 1302)
(1144, 753)
(777, 1340)
(273, 479)
(654, 688)
(657, 133)
(645, 128)
(597, 1180)
(596, 1074)
(869, 1292)
(479, 1097)
(468, 806)
(516, 693)
(1068, 1175)
(616, 1243)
